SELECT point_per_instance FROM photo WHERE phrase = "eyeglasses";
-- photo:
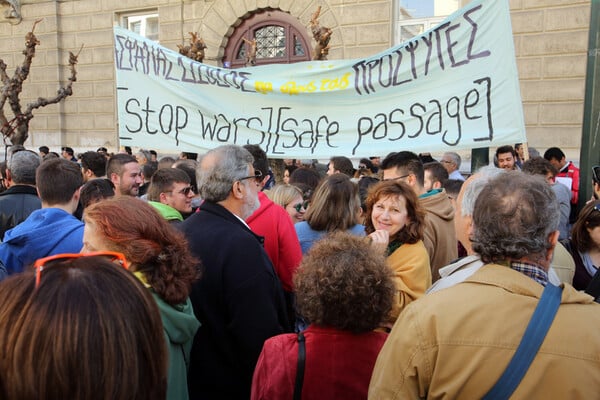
(42, 263)
(596, 173)
(257, 177)
(185, 191)
(304, 205)
(446, 162)
(395, 179)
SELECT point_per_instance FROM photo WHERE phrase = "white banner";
(453, 87)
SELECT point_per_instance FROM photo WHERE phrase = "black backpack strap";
(300, 370)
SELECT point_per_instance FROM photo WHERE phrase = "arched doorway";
(280, 39)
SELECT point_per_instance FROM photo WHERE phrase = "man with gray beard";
(238, 299)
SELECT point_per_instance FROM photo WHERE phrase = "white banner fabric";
(451, 88)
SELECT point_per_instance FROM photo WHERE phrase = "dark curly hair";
(134, 228)
(344, 283)
(413, 230)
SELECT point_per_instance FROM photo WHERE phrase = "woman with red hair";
(159, 256)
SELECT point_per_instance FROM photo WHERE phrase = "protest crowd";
(211, 276)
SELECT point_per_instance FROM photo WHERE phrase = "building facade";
(551, 39)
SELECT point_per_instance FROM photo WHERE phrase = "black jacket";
(16, 203)
(238, 300)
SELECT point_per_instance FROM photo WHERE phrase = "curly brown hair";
(134, 228)
(344, 283)
(413, 231)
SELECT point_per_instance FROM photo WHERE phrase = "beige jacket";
(455, 343)
(440, 238)
(412, 275)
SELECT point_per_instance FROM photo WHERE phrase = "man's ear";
(552, 240)
(236, 190)
(77, 195)
(411, 179)
(162, 197)
(469, 224)
(8, 176)
(87, 173)
(265, 180)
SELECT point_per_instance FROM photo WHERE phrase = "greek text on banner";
(453, 87)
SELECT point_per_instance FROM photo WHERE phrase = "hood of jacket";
(179, 322)
(167, 212)
(436, 201)
(265, 204)
(46, 231)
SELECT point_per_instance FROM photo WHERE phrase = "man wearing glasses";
(238, 299)
(170, 194)
(273, 223)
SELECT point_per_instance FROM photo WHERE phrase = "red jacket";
(281, 242)
(338, 365)
(571, 171)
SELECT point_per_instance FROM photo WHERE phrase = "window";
(142, 23)
(280, 38)
(408, 28)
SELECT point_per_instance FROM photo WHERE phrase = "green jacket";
(180, 326)
(166, 211)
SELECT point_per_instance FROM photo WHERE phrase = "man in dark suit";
(21, 198)
(238, 300)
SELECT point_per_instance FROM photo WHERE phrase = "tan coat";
(440, 238)
(412, 275)
(455, 343)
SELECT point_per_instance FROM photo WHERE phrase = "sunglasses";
(185, 191)
(42, 263)
(300, 206)
(257, 177)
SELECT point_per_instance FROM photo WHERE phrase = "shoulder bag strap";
(530, 344)
(300, 369)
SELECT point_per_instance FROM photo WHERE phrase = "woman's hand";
(380, 239)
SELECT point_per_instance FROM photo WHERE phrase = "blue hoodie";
(45, 232)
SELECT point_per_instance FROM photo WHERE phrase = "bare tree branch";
(17, 129)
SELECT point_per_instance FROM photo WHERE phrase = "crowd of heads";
(343, 282)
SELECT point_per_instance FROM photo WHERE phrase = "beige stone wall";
(550, 42)
(87, 119)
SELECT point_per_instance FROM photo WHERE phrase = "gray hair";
(455, 158)
(475, 185)
(22, 166)
(215, 180)
(513, 218)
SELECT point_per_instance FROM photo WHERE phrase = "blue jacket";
(308, 236)
(45, 232)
